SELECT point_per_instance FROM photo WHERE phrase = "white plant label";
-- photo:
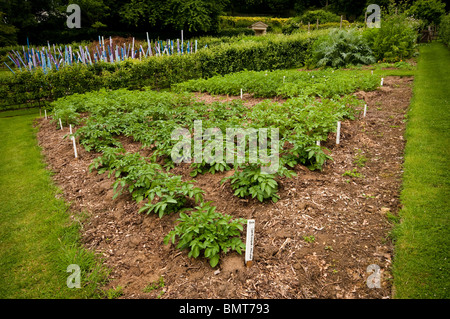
(249, 242)
(365, 110)
(338, 132)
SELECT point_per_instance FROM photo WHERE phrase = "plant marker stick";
(149, 45)
(382, 79)
(241, 94)
(338, 132)
(60, 124)
(9, 68)
(74, 147)
(249, 242)
(318, 143)
(45, 114)
(365, 110)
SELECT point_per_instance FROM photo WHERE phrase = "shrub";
(322, 15)
(395, 40)
(444, 29)
(341, 48)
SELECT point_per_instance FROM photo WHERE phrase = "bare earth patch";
(316, 242)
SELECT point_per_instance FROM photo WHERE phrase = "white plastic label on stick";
(249, 242)
(365, 110)
(241, 93)
(338, 132)
(382, 79)
(74, 147)
(60, 124)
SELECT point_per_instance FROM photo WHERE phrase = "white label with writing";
(250, 240)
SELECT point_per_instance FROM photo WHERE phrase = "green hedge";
(274, 52)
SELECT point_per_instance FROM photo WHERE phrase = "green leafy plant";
(360, 159)
(165, 192)
(353, 173)
(342, 48)
(251, 182)
(155, 285)
(203, 167)
(395, 40)
(208, 231)
(309, 239)
(172, 193)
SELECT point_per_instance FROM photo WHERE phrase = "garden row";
(284, 83)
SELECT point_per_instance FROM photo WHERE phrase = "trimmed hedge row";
(275, 52)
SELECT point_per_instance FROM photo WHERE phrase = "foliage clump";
(342, 48)
(395, 40)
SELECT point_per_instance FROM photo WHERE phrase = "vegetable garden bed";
(316, 241)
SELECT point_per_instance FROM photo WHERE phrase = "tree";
(429, 11)
(8, 32)
(193, 15)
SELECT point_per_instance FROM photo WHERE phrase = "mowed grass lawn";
(38, 240)
(422, 253)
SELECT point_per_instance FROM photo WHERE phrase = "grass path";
(422, 255)
(37, 238)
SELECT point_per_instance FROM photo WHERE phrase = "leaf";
(214, 260)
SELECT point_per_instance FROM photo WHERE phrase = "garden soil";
(322, 239)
